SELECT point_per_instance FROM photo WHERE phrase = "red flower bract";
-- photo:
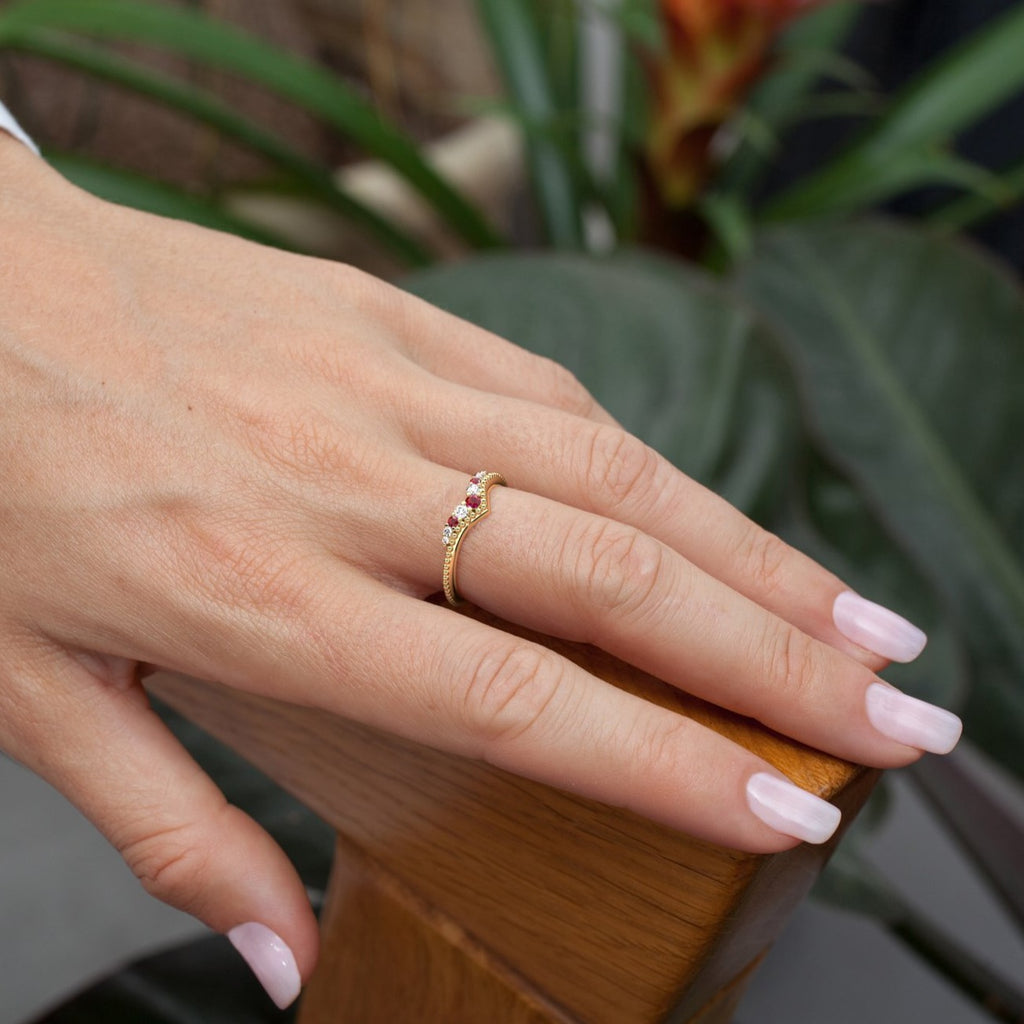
(716, 49)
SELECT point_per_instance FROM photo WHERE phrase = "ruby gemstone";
(453, 522)
(473, 501)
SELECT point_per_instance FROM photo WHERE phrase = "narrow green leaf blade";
(516, 42)
(948, 97)
(862, 187)
(985, 829)
(972, 209)
(215, 44)
(208, 109)
(850, 881)
(779, 96)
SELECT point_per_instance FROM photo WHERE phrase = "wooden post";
(464, 895)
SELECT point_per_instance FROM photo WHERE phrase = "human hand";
(235, 463)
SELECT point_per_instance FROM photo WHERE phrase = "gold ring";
(471, 510)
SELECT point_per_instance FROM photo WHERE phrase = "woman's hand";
(235, 463)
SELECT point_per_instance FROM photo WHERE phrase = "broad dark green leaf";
(664, 349)
(910, 353)
(827, 518)
(216, 44)
(945, 99)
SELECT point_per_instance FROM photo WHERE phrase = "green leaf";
(910, 353)
(829, 519)
(214, 44)
(780, 95)
(981, 823)
(128, 189)
(205, 107)
(972, 209)
(520, 49)
(665, 349)
(558, 23)
(948, 97)
(995, 710)
(730, 224)
(639, 20)
(849, 881)
(902, 173)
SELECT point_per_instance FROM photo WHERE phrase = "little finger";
(96, 740)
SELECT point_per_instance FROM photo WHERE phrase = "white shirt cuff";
(8, 124)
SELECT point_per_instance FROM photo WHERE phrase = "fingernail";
(877, 628)
(270, 959)
(909, 720)
(790, 809)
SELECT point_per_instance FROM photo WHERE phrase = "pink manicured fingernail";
(790, 809)
(876, 628)
(912, 721)
(270, 959)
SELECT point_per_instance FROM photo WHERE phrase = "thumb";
(85, 726)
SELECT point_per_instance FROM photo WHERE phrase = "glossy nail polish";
(909, 720)
(790, 809)
(876, 628)
(270, 959)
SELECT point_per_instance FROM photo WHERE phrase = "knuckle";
(171, 863)
(564, 390)
(618, 569)
(765, 558)
(619, 467)
(660, 750)
(233, 565)
(790, 663)
(297, 445)
(509, 692)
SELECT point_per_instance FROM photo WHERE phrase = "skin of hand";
(234, 463)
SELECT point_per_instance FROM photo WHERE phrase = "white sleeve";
(8, 124)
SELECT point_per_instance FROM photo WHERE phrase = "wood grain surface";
(584, 912)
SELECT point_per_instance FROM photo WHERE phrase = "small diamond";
(461, 511)
(482, 473)
(473, 488)
(446, 534)
(473, 501)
